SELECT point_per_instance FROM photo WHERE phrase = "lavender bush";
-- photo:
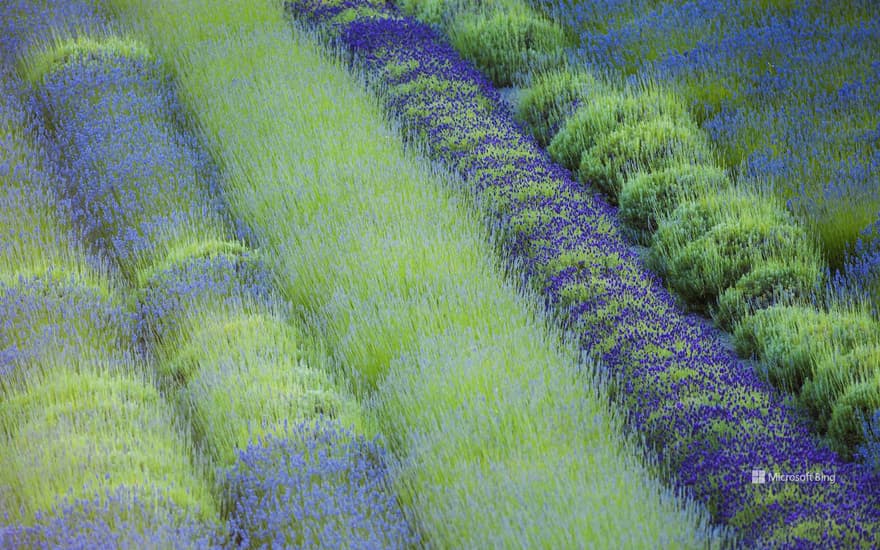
(320, 486)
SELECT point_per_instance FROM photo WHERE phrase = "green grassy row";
(79, 415)
(730, 250)
(498, 442)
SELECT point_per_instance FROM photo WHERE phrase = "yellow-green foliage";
(792, 340)
(552, 97)
(55, 51)
(489, 425)
(648, 196)
(649, 145)
(77, 433)
(845, 432)
(505, 43)
(706, 245)
(765, 284)
(612, 110)
(433, 12)
(834, 375)
(505, 39)
(830, 358)
(187, 248)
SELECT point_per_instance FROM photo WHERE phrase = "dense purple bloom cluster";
(710, 417)
(119, 519)
(319, 487)
(144, 193)
(790, 91)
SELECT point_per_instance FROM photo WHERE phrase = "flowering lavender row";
(138, 189)
(711, 418)
(67, 371)
(110, 521)
(145, 195)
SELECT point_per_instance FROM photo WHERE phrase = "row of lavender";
(709, 416)
(267, 421)
(730, 249)
(90, 456)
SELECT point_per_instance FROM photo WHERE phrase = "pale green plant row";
(499, 442)
(79, 414)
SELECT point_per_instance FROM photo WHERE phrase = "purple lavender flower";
(320, 486)
(118, 519)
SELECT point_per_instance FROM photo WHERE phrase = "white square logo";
(759, 476)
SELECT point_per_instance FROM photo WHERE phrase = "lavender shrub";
(330, 482)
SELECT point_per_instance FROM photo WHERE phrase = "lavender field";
(426, 274)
